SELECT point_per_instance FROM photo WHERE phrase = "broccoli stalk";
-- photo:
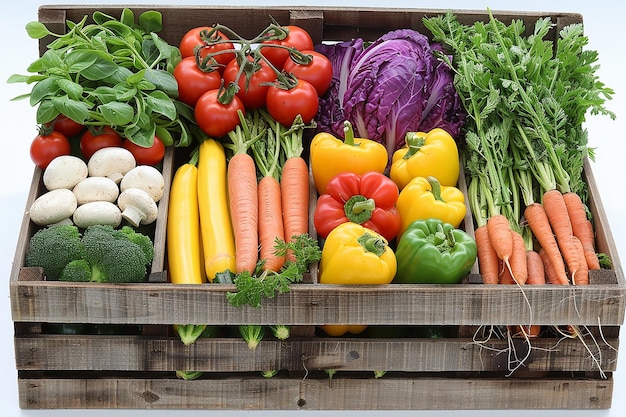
(188, 375)
(280, 331)
(252, 334)
(188, 333)
(111, 255)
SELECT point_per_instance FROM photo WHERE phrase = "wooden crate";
(135, 367)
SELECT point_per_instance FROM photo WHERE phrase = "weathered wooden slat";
(141, 354)
(425, 392)
(340, 23)
(316, 304)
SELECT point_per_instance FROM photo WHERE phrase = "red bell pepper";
(368, 199)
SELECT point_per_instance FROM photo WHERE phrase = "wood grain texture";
(316, 304)
(343, 393)
(159, 354)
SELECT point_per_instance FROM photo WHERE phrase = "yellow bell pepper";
(425, 198)
(426, 154)
(331, 156)
(341, 329)
(353, 254)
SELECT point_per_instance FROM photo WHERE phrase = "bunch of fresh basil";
(110, 72)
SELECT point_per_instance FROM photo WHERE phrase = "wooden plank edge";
(167, 354)
(428, 392)
(310, 304)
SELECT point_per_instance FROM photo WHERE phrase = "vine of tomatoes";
(278, 70)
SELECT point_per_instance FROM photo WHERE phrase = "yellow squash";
(218, 240)
(184, 249)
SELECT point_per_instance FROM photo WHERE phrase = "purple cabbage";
(394, 86)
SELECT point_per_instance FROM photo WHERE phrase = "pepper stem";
(414, 142)
(450, 238)
(358, 209)
(348, 133)
(372, 244)
(435, 187)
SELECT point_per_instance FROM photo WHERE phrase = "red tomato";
(47, 146)
(193, 82)
(217, 119)
(297, 38)
(90, 142)
(318, 72)
(146, 155)
(284, 105)
(254, 96)
(67, 126)
(193, 38)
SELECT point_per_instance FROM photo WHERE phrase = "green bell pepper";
(434, 252)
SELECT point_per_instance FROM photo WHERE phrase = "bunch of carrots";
(268, 187)
(560, 250)
(566, 244)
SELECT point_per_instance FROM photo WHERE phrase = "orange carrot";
(294, 189)
(582, 228)
(518, 262)
(554, 205)
(582, 275)
(536, 269)
(501, 237)
(539, 224)
(270, 222)
(536, 276)
(551, 275)
(504, 275)
(267, 155)
(525, 331)
(487, 258)
(244, 209)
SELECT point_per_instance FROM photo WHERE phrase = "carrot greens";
(253, 288)
(527, 99)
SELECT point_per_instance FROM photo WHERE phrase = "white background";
(604, 24)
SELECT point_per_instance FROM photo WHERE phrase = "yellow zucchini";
(218, 240)
(183, 228)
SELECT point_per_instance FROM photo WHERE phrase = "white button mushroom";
(137, 206)
(147, 178)
(64, 171)
(97, 212)
(112, 162)
(96, 189)
(53, 207)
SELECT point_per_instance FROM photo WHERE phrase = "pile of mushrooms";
(107, 189)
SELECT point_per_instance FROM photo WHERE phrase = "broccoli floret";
(53, 247)
(77, 271)
(111, 255)
(144, 242)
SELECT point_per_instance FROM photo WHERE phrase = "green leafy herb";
(110, 72)
(252, 288)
